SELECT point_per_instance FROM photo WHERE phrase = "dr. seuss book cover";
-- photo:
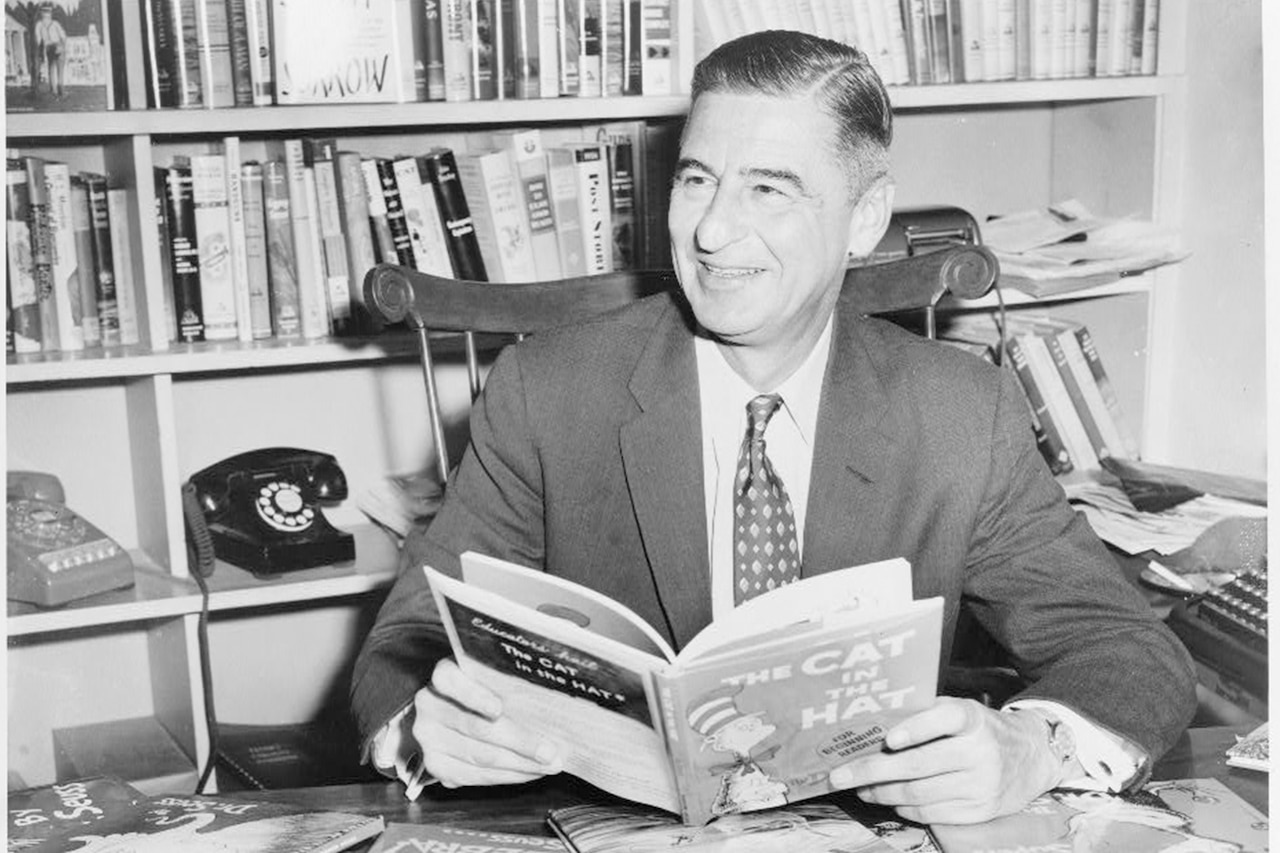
(1173, 816)
(212, 824)
(38, 816)
(753, 713)
(437, 838)
(57, 56)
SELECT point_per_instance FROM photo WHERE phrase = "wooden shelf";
(307, 118)
(1012, 296)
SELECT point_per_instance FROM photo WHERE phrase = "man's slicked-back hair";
(784, 63)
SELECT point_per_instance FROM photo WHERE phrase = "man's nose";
(722, 222)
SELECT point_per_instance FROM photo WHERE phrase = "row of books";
(69, 265)
(225, 53)
(1076, 414)
(920, 42)
(279, 247)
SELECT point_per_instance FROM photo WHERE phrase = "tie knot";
(759, 410)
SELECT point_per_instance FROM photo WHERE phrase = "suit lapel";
(852, 449)
(662, 457)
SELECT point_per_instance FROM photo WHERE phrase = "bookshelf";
(123, 428)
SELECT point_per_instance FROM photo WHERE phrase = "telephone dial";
(261, 510)
(52, 554)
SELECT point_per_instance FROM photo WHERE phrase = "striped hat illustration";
(715, 710)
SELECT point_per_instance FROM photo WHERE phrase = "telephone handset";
(52, 554)
(262, 510)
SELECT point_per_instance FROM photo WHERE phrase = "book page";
(589, 694)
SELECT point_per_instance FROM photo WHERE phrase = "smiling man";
(621, 453)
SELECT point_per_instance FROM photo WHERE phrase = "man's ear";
(871, 217)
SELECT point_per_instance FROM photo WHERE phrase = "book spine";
(261, 51)
(528, 70)
(255, 250)
(158, 61)
(312, 301)
(396, 223)
(562, 181)
(66, 281)
(407, 51)
(939, 41)
(509, 38)
(1084, 37)
(548, 48)
(485, 24)
(1150, 37)
(353, 206)
(214, 35)
(24, 297)
(501, 223)
(213, 227)
(531, 174)
(241, 62)
(897, 35)
(184, 253)
(1098, 411)
(236, 237)
(594, 207)
(384, 241)
(334, 245)
(86, 279)
(42, 249)
(1048, 438)
(190, 85)
(657, 75)
(612, 45)
(456, 26)
(1102, 22)
(422, 220)
(917, 42)
(567, 44)
(160, 178)
(464, 246)
(1070, 381)
(633, 47)
(1128, 444)
(332, 294)
(590, 43)
(286, 315)
(1059, 402)
(103, 260)
(658, 153)
(122, 264)
(622, 202)
(433, 66)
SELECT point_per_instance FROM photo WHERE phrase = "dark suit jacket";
(586, 459)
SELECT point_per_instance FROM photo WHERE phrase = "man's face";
(762, 218)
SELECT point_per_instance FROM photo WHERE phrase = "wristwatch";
(1062, 739)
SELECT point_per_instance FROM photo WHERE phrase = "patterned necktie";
(766, 552)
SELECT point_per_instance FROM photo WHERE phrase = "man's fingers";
(946, 717)
(932, 759)
(448, 681)
(918, 792)
(453, 773)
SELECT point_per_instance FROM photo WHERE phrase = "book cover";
(753, 713)
(422, 837)
(236, 236)
(286, 315)
(213, 238)
(567, 46)
(337, 51)
(800, 828)
(562, 182)
(39, 817)
(464, 246)
(58, 56)
(104, 272)
(456, 24)
(1253, 751)
(422, 220)
(67, 292)
(255, 249)
(524, 147)
(122, 257)
(498, 211)
(86, 278)
(175, 822)
(40, 229)
(321, 154)
(1173, 815)
(291, 755)
(213, 33)
(353, 206)
(24, 298)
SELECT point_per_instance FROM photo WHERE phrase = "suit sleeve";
(493, 504)
(1047, 589)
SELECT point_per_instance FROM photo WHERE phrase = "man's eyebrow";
(784, 175)
(692, 163)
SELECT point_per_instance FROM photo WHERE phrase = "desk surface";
(522, 809)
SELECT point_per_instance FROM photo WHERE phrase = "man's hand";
(957, 762)
(466, 739)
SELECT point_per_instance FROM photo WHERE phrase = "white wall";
(1218, 420)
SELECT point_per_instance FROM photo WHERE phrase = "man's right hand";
(467, 740)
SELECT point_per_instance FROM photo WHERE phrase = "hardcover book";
(802, 828)
(1173, 815)
(423, 837)
(524, 147)
(353, 206)
(103, 259)
(286, 316)
(594, 207)
(562, 181)
(255, 249)
(184, 251)
(456, 24)
(58, 56)
(24, 298)
(122, 257)
(422, 219)
(213, 236)
(67, 301)
(753, 713)
(321, 154)
(501, 222)
(464, 247)
(567, 46)
(339, 51)
(40, 230)
(85, 278)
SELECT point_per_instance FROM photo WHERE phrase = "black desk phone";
(262, 510)
(52, 554)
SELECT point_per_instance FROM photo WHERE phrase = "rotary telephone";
(260, 510)
(53, 555)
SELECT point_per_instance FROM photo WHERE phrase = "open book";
(754, 712)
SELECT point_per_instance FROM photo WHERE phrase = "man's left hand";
(957, 761)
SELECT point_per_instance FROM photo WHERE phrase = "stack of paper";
(1064, 247)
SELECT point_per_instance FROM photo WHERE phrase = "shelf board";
(307, 118)
(156, 594)
(1012, 296)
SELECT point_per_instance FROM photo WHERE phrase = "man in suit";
(614, 453)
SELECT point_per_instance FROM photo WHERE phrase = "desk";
(523, 808)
